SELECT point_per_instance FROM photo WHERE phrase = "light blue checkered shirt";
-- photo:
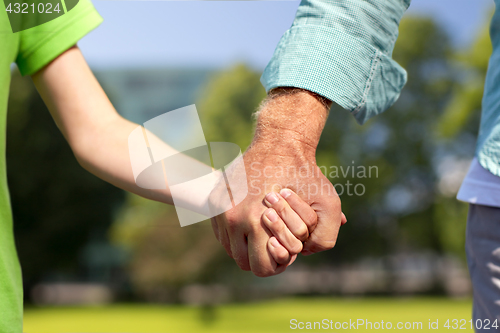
(342, 50)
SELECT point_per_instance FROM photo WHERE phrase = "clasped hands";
(291, 207)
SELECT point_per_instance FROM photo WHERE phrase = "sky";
(216, 34)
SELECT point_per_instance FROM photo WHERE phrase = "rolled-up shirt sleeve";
(342, 50)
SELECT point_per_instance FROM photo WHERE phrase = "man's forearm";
(292, 118)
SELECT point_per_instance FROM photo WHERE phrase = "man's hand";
(282, 155)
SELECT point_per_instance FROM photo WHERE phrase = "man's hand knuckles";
(243, 263)
(320, 245)
(264, 272)
(282, 256)
(256, 227)
(232, 226)
(229, 253)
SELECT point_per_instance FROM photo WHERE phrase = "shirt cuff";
(338, 66)
(58, 41)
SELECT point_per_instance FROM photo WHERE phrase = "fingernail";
(272, 198)
(285, 193)
(274, 243)
(272, 216)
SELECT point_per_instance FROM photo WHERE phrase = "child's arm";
(97, 134)
(291, 220)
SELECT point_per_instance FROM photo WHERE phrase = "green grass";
(270, 316)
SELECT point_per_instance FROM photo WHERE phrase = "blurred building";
(140, 95)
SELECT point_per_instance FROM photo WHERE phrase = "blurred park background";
(96, 259)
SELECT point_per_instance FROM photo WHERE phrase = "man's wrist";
(289, 91)
(291, 119)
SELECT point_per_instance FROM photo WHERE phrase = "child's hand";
(291, 220)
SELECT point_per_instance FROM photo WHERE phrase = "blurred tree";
(56, 204)
(227, 104)
(468, 89)
(459, 124)
(164, 256)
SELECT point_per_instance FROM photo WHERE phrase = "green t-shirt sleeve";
(40, 45)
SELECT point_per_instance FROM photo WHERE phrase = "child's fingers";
(281, 231)
(293, 221)
(302, 208)
(305, 211)
(278, 252)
